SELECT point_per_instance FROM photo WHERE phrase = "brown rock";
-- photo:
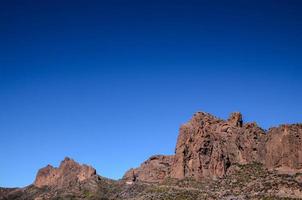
(69, 172)
(208, 146)
(235, 119)
(155, 169)
(284, 148)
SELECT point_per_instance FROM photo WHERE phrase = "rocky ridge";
(208, 146)
(214, 159)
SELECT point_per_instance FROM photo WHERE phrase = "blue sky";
(108, 83)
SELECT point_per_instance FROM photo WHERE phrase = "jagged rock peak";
(69, 172)
(235, 119)
(203, 116)
(207, 146)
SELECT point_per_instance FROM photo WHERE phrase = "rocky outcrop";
(208, 146)
(244, 182)
(214, 159)
(69, 172)
(155, 169)
(235, 119)
(284, 148)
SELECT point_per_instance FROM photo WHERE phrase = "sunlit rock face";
(225, 158)
(208, 146)
(284, 148)
(69, 172)
(155, 169)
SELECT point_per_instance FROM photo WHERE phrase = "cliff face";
(208, 146)
(284, 148)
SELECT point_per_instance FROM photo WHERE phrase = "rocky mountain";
(68, 173)
(208, 146)
(214, 159)
(70, 180)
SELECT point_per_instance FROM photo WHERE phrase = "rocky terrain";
(214, 159)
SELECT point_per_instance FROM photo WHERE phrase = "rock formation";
(207, 146)
(235, 119)
(155, 169)
(214, 159)
(284, 148)
(67, 173)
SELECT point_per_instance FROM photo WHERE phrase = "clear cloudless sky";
(108, 83)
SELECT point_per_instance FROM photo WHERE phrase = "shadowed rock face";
(69, 172)
(284, 148)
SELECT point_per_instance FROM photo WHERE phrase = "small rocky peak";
(155, 169)
(69, 172)
(235, 119)
(202, 119)
(68, 163)
(67, 159)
